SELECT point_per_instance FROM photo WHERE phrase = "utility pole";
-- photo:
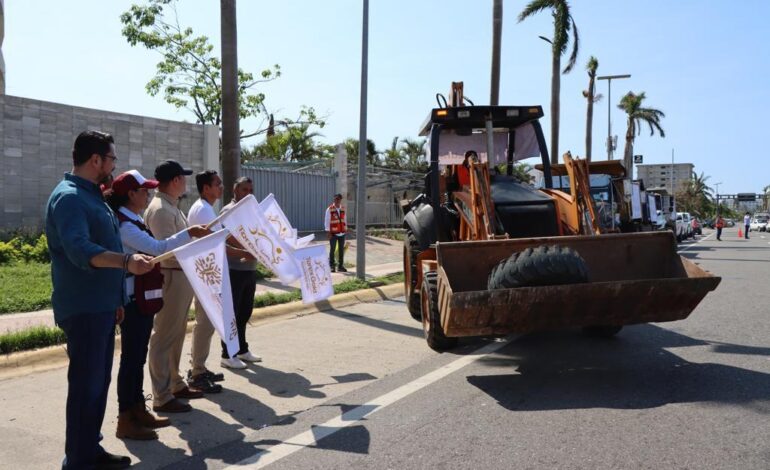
(717, 186)
(672, 183)
(497, 32)
(231, 133)
(609, 78)
(361, 189)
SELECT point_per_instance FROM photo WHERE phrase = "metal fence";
(303, 197)
(377, 213)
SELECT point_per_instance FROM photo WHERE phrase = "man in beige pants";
(164, 219)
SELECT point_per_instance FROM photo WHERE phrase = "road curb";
(38, 360)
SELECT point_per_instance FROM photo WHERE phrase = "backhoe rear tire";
(431, 317)
(548, 265)
(411, 290)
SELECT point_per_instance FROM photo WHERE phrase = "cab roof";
(475, 117)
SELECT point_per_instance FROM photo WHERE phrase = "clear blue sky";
(705, 63)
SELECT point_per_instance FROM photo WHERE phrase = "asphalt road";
(360, 389)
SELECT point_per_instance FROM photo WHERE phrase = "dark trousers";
(719, 233)
(746, 232)
(90, 346)
(242, 284)
(135, 337)
(340, 248)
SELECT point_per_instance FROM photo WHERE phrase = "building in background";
(660, 175)
(2, 36)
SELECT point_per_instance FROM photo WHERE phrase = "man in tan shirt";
(164, 219)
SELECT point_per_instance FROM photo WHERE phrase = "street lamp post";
(717, 185)
(361, 189)
(609, 79)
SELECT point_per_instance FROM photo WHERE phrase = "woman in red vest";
(334, 223)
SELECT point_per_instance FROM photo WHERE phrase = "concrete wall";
(36, 140)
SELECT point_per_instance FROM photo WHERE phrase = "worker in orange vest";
(719, 225)
(334, 223)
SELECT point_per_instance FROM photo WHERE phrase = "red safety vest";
(337, 220)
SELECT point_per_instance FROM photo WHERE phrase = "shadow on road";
(632, 371)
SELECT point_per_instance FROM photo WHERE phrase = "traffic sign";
(638, 159)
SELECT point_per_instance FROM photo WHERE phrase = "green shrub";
(25, 249)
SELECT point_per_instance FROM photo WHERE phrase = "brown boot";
(147, 419)
(130, 428)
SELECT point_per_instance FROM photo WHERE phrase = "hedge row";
(19, 249)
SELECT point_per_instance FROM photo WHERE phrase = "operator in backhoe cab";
(464, 170)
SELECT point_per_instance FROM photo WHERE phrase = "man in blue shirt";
(87, 270)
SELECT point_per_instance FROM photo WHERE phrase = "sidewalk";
(383, 256)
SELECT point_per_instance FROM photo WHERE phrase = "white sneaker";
(249, 357)
(233, 363)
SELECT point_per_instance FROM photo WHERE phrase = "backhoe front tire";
(431, 317)
(411, 290)
(549, 265)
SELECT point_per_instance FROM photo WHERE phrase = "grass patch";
(390, 233)
(33, 338)
(350, 285)
(25, 287)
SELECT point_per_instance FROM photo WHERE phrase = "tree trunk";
(590, 119)
(497, 32)
(231, 142)
(628, 158)
(555, 90)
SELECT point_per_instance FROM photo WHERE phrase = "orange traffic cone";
(740, 233)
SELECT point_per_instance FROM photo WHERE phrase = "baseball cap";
(131, 180)
(170, 169)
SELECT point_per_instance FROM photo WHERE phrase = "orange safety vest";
(720, 223)
(337, 220)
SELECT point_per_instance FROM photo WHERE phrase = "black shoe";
(204, 385)
(107, 461)
(342, 270)
(212, 376)
(334, 270)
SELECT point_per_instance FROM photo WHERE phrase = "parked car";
(708, 223)
(729, 223)
(759, 223)
(687, 224)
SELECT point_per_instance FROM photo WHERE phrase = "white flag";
(316, 282)
(204, 262)
(247, 223)
(304, 241)
(274, 214)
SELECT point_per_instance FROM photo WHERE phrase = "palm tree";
(414, 150)
(591, 96)
(231, 139)
(394, 156)
(497, 32)
(562, 24)
(631, 103)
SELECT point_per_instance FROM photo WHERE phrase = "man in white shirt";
(202, 213)
(746, 225)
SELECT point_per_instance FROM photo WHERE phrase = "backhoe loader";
(487, 254)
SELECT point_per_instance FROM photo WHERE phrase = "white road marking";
(308, 438)
(693, 244)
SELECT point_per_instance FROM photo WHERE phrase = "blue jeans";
(135, 337)
(90, 347)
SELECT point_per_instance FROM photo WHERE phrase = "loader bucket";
(633, 278)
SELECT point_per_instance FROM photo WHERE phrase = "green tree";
(189, 74)
(394, 156)
(351, 149)
(295, 144)
(414, 152)
(562, 24)
(636, 115)
(591, 97)
(696, 197)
